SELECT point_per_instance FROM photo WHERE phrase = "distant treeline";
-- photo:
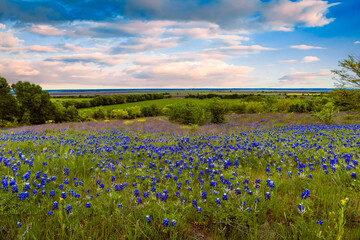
(103, 100)
(244, 96)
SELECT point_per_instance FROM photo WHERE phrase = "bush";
(151, 111)
(87, 115)
(188, 113)
(239, 108)
(218, 109)
(119, 114)
(254, 107)
(99, 113)
(327, 114)
(134, 112)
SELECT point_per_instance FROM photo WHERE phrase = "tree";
(34, 102)
(349, 74)
(8, 103)
(218, 109)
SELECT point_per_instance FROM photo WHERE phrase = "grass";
(159, 102)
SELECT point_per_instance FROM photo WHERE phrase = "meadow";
(255, 177)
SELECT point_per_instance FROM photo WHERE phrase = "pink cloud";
(240, 49)
(8, 40)
(305, 47)
(304, 77)
(46, 30)
(308, 59)
(33, 48)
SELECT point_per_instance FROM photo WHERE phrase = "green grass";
(159, 102)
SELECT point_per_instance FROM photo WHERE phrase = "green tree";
(349, 74)
(218, 109)
(34, 102)
(8, 103)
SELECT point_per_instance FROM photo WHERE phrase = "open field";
(159, 102)
(258, 176)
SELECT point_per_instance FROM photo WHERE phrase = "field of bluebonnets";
(145, 182)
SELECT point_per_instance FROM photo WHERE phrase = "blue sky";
(176, 43)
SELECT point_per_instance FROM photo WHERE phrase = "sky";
(89, 44)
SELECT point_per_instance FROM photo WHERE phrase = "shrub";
(327, 114)
(239, 108)
(119, 114)
(99, 113)
(218, 109)
(134, 112)
(151, 111)
(254, 107)
(188, 113)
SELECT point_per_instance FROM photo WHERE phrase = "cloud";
(308, 59)
(287, 61)
(280, 15)
(285, 14)
(145, 44)
(214, 73)
(239, 50)
(2, 26)
(305, 47)
(33, 48)
(8, 40)
(46, 30)
(304, 77)
(97, 58)
(357, 42)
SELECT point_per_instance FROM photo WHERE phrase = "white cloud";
(308, 59)
(305, 47)
(286, 14)
(357, 42)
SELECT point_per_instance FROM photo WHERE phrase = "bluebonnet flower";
(166, 222)
(148, 219)
(138, 200)
(238, 191)
(50, 213)
(55, 205)
(88, 205)
(218, 201)
(63, 195)
(198, 209)
(68, 209)
(52, 193)
(136, 193)
(300, 207)
(319, 222)
(204, 195)
(146, 194)
(353, 174)
(173, 223)
(120, 205)
(305, 194)
(225, 198)
(194, 203)
(61, 187)
(267, 196)
(18, 224)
